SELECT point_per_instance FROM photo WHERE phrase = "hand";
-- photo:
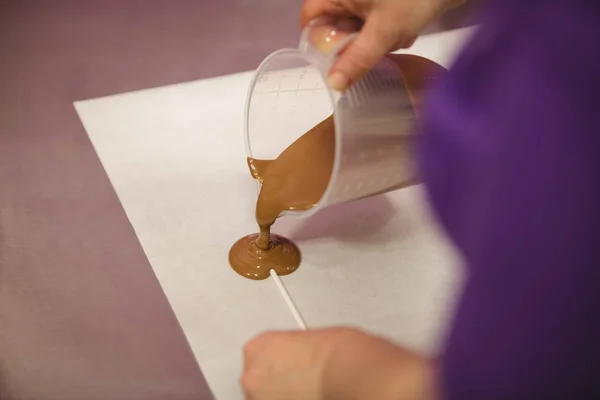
(388, 25)
(337, 363)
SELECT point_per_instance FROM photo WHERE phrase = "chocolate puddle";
(297, 179)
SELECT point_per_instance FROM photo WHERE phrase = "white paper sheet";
(176, 158)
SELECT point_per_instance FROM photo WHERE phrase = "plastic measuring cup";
(374, 118)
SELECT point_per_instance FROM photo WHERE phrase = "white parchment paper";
(176, 158)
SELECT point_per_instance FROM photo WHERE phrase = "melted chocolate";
(297, 179)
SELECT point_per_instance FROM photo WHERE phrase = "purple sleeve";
(511, 159)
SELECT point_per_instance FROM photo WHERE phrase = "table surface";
(176, 158)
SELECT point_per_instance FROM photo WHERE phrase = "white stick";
(288, 300)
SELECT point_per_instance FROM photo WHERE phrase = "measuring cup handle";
(324, 38)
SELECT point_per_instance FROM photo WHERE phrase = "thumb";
(372, 43)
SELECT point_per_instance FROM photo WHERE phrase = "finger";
(409, 42)
(252, 349)
(373, 42)
(249, 385)
(312, 9)
(259, 343)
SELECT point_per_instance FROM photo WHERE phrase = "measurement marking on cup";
(292, 90)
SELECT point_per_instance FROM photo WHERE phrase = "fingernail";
(337, 81)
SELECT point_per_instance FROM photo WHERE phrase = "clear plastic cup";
(374, 118)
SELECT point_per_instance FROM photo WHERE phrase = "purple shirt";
(511, 158)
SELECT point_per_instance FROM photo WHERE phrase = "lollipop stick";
(288, 300)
